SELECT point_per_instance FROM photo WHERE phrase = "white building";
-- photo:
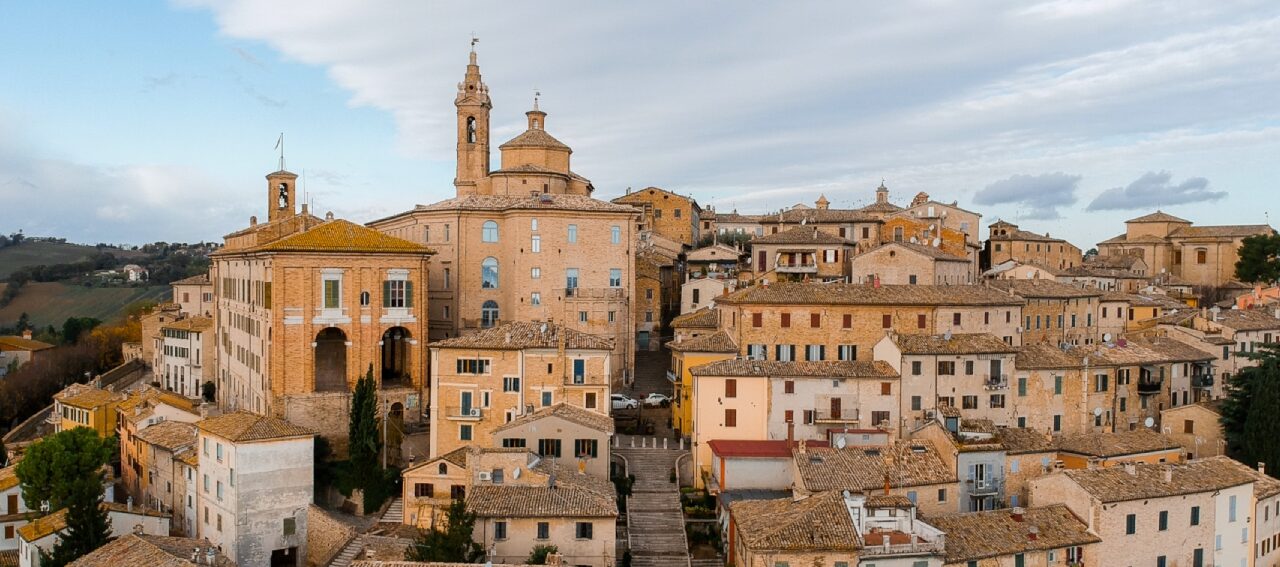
(255, 485)
(182, 349)
(13, 508)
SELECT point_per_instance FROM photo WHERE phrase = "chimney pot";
(1262, 467)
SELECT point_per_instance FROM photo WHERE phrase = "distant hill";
(51, 303)
(36, 252)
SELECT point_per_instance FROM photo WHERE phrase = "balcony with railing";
(463, 413)
(1201, 380)
(923, 539)
(996, 382)
(798, 267)
(1150, 381)
(592, 293)
(835, 415)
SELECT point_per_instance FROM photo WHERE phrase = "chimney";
(253, 221)
(1016, 513)
(802, 448)
(1168, 474)
(1262, 467)
(304, 208)
(1131, 468)
(26, 334)
(1033, 533)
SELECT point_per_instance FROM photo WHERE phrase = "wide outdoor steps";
(655, 520)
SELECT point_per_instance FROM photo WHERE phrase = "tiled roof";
(19, 343)
(1109, 444)
(801, 235)
(152, 551)
(584, 417)
(140, 402)
(169, 434)
(242, 426)
(929, 251)
(1051, 356)
(201, 279)
(528, 168)
(885, 207)
(85, 396)
(534, 138)
(703, 318)
(862, 294)
(1022, 440)
(718, 341)
(1040, 288)
(1145, 300)
(888, 501)
(958, 343)
(1144, 239)
(816, 369)
(1155, 350)
(1248, 319)
(9, 558)
(517, 202)
(757, 448)
(341, 236)
(527, 334)
(575, 495)
(1117, 484)
(980, 535)
(641, 196)
(865, 468)
(1114, 261)
(194, 324)
(1158, 216)
(1264, 485)
(714, 253)
(9, 477)
(817, 523)
(1021, 235)
(456, 457)
(812, 216)
(44, 526)
(735, 217)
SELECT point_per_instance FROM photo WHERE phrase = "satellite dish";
(515, 473)
(937, 242)
(1106, 337)
(1097, 412)
(840, 442)
(1149, 422)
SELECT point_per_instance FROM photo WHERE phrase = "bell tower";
(281, 195)
(473, 128)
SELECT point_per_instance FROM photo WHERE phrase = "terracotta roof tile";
(1040, 288)
(1155, 350)
(19, 343)
(928, 251)
(8, 477)
(518, 335)
(1116, 484)
(1109, 444)
(958, 343)
(169, 435)
(151, 551)
(85, 396)
(796, 369)
(980, 535)
(1158, 216)
(534, 138)
(44, 526)
(1022, 440)
(718, 341)
(861, 469)
(575, 495)
(201, 279)
(816, 523)
(243, 427)
(1247, 319)
(516, 202)
(1051, 356)
(714, 253)
(1026, 235)
(705, 318)
(193, 324)
(340, 236)
(861, 294)
(584, 417)
(801, 235)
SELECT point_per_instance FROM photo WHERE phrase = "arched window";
(489, 232)
(489, 314)
(443, 468)
(471, 129)
(489, 273)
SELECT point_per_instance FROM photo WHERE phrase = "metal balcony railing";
(1000, 382)
(1202, 381)
(1149, 387)
(825, 415)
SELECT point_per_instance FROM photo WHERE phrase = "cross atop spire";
(536, 94)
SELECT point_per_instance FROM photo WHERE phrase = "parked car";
(623, 402)
(657, 400)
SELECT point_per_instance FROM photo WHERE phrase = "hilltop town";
(525, 372)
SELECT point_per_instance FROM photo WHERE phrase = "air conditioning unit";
(475, 412)
(485, 476)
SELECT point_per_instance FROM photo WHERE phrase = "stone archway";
(395, 357)
(331, 360)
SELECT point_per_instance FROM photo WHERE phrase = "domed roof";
(535, 138)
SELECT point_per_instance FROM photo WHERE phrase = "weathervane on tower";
(474, 40)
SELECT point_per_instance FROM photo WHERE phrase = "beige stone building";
(1197, 428)
(912, 469)
(670, 215)
(1202, 255)
(947, 216)
(904, 263)
(527, 241)
(1055, 313)
(185, 355)
(575, 436)
(784, 321)
(307, 305)
(1005, 241)
(1067, 391)
(801, 253)
(483, 380)
(1194, 513)
(194, 295)
(970, 371)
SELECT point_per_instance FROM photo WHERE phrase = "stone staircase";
(348, 553)
(394, 513)
(655, 521)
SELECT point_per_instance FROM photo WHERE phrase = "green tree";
(539, 554)
(1249, 419)
(74, 327)
(363, 430)
(453, 543)
(51, 467)
(1259, 259)
(87, 524)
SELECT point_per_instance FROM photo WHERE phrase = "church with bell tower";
(526, 241)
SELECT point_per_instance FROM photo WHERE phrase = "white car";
(657, 400)
(622, 402)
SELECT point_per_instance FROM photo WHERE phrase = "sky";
(158, 122)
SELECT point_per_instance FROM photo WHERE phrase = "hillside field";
(35, 253)
(51, 303)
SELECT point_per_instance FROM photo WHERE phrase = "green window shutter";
(408, 293)
(386, 293)
(1057, 385)
(331, 294)
(1022, 387)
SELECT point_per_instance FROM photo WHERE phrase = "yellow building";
(1005, 241)
(525, 242)
(667, 214)
(686, 354)
(1201, 255)
(82, 405)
